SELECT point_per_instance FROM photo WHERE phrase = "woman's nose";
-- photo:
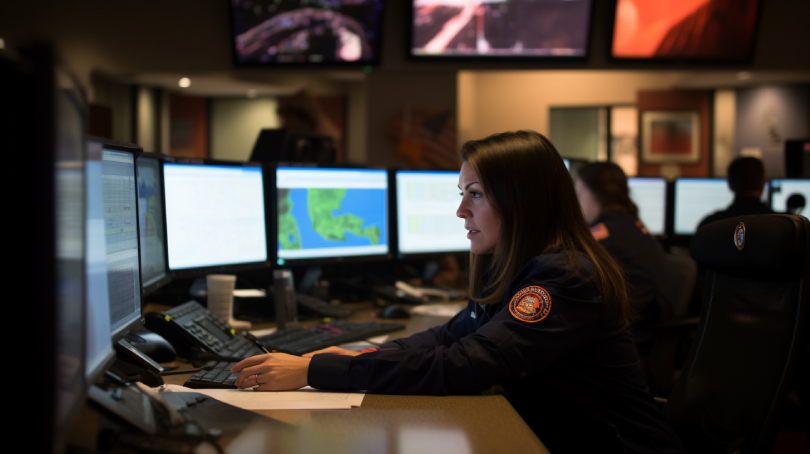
(462, 211)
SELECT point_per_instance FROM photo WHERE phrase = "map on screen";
(331, 212)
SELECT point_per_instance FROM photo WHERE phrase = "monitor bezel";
(666, 229)
(136, 150)
(167, 278)
(394, 216)
(669, 61)
(373, 62)
(315, 261)
(216, 269)
(443, 58)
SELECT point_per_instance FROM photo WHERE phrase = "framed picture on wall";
(670, 136)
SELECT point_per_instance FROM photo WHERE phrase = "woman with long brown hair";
(548, 320)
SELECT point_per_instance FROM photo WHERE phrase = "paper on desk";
(262, 332)
(304, 399)
(249, 293)
(440, 309)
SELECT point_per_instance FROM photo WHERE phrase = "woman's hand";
(272, 372)
(334, 351)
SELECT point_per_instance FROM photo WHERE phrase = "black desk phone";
(192, 324)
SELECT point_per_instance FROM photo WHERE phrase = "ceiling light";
(184, 82)
(252, 93)
(744, 75)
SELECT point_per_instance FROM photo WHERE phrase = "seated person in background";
(613, 218)
(547, 321)
(795, 204)
(746, 179)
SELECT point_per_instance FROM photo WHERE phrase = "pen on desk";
(259, 344)
(256, 342)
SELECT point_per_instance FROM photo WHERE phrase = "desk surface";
(388, 423)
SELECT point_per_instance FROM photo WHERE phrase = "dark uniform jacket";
(568, 368)
(645, 267)
(741, 206)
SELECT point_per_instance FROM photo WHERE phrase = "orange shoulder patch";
(600, 232)
(530, 304)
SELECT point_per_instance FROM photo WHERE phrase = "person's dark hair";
(608, 183)
(527, 185)
(746, 174)
(795, 203)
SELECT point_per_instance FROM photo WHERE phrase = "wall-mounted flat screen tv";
(711, 30)
(306, 32)
(500, 28)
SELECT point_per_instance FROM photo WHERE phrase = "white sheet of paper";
(304, 399)
(262, 332)
(249, 293)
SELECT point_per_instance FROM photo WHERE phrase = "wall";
(496, 101)
(724, 115)
(235, 124)
(389, 93)
(766, 117)
(148, 125)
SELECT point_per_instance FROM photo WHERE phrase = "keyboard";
(320, 307)
(305, 339)
(295, 341)
(215, 374)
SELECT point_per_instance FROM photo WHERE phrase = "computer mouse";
(395, 311)
(152, 345)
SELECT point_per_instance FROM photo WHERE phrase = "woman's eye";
(475, 194)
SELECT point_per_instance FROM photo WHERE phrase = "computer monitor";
(215, 216)
(44, 124)
(499, 29)
(650, 196)
(426, 205)
(151, 216)
(684, 30)
(111, 170)
(696, 198)
(98, 329)
(306, 33)
(331, 214)
(786, 191)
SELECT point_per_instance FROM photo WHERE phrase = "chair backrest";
(737, 373)
(683, 272)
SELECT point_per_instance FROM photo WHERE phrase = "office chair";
(738, 372)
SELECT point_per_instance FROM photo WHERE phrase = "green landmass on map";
(322, 204)
(288, 234)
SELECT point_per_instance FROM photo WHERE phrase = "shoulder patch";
(600, 232)
(530, 304)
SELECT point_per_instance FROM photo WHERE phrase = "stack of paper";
(303, 399)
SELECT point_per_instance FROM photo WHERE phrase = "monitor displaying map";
(331, 213)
